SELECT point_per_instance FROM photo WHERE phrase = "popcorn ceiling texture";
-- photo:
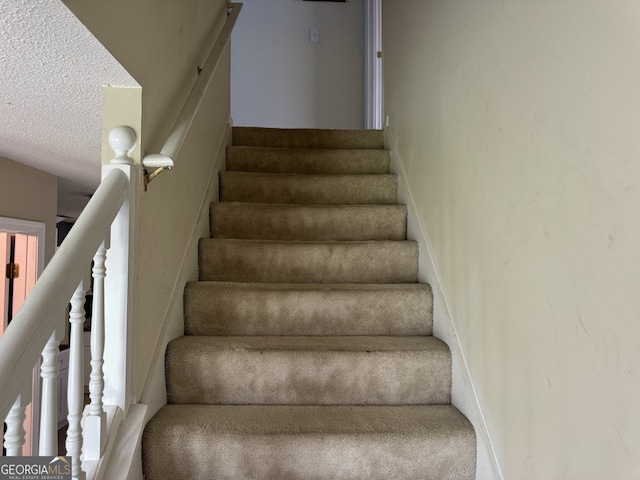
(52, 70)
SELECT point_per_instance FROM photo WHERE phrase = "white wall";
(280, 79)
(517, 126)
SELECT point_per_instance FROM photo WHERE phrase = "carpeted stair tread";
(272, 370)
(307, 138)
(308, 161)
(308, 222)
(227, 308)
(308, 262)
(308, 189)
(309, 442)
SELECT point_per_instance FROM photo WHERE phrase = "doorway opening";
(22, 245)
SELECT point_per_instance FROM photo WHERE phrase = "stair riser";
(308, 138)
(255, 309)
(297, 442)
(208, 376)
(345, 457)
(308, 189)
(279, 222)
(293, 442)
(357, 262)
(334, 162)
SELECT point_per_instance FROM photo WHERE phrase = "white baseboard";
(122, 458)
(463, 393)
(154, 393)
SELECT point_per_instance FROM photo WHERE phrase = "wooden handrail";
(172, 146)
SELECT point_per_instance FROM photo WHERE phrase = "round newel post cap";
(122, 140)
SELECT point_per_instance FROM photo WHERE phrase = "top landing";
(307, 138)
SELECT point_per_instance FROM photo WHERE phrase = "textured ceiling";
(52, 70)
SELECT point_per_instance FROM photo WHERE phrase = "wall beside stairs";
(516, 126)
(280, 79)
(161, 44)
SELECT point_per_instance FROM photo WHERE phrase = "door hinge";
(379, 54)
(13, 270)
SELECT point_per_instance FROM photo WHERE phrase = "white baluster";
(95, 423)
(14, 438)
(15, 435)
(49, 409)
(75, 396)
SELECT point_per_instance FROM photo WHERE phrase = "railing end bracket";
(155, 164)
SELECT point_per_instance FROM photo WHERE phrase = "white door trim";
(28, 227)
(373, 63)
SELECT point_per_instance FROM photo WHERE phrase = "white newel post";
(119, 282)
(95, 422)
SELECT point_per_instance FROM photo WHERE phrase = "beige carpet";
(308, 351)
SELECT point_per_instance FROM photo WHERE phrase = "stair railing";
(102, 235)
(156, 163)
(105, 235)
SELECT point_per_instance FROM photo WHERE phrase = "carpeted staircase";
(308, 351)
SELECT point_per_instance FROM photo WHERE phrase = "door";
(5, 254)
(21, 262)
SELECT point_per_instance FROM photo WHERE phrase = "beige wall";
(517, 127)
(280, 79)
(161, 43)
(168, 216)
(29, 194)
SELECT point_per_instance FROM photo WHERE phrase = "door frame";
(26, 227)
(373, 64)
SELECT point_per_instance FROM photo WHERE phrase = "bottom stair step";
(309, 442)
